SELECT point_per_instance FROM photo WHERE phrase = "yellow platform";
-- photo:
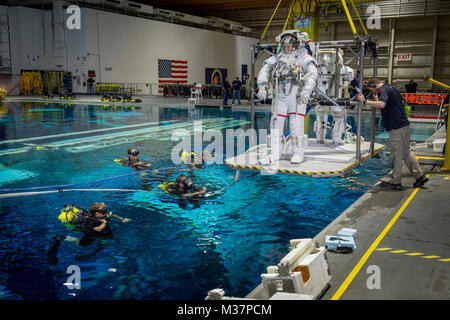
(321, 160)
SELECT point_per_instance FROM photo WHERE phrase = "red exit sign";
(404, 56)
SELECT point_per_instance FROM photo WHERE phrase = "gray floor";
(409, 247)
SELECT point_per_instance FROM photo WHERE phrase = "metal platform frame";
(358, 47)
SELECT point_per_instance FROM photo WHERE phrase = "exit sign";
(404, 56)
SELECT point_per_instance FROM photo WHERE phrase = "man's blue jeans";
(225, 97)
(237, 94)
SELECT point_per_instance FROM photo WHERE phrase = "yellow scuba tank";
(187, 157)
(164, 186)
(69, 215)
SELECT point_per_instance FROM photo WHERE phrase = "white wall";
(83, 51)
(26, 39)
(131, 46)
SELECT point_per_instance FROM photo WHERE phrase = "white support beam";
(391, 49)
(433, 48)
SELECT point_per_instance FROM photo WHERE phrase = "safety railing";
(209, 91)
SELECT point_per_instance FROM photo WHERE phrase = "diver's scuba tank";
(72, 214)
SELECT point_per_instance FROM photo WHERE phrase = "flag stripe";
(172, 81)
(171, 72)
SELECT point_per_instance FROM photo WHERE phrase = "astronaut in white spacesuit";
(333, 76)
(292, 69)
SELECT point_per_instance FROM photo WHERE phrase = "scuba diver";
(197, 161)
(94, 224)
(133, 161)
(185, 189)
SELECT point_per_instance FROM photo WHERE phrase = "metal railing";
(209, 91)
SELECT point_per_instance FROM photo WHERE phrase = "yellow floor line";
(398, 251)
(374, 245)
(377, 241)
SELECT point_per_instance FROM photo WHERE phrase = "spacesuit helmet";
(291, 38)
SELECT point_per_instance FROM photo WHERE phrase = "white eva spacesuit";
(331, 81)
(292, 69)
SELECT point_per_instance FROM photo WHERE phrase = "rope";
(60, 187)
(24, 194)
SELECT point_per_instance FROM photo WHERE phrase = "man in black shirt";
(90, 83)
(397, 124)
(411, 87)
(226, 91)
(236, 86)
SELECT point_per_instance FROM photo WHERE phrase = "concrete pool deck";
(403, 239)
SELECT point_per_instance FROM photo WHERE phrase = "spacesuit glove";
(262, 93)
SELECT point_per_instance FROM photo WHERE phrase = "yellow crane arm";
(273, 14)
(440, 84)
(349, 17)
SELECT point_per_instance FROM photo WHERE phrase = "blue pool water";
(170, 250)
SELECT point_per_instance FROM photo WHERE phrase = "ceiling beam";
(212, 5)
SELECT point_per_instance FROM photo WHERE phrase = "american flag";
(171, 72)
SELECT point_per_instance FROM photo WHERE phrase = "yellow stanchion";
(273, 14)
(446, 165)
(443, 85)
(349, 17)
(288, 16)
(357, 13)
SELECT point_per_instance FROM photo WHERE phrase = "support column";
(433, 48)
(374, 110)
(392, 23)
(362, 48)
(252, 93)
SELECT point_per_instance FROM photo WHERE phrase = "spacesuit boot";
(297, 150)
(276, 146)
(320, 127)
(337, 131)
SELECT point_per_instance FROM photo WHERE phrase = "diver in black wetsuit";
(185, 189)
(94, 224)
(134, 162)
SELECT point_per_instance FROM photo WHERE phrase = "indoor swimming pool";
(171, 249)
